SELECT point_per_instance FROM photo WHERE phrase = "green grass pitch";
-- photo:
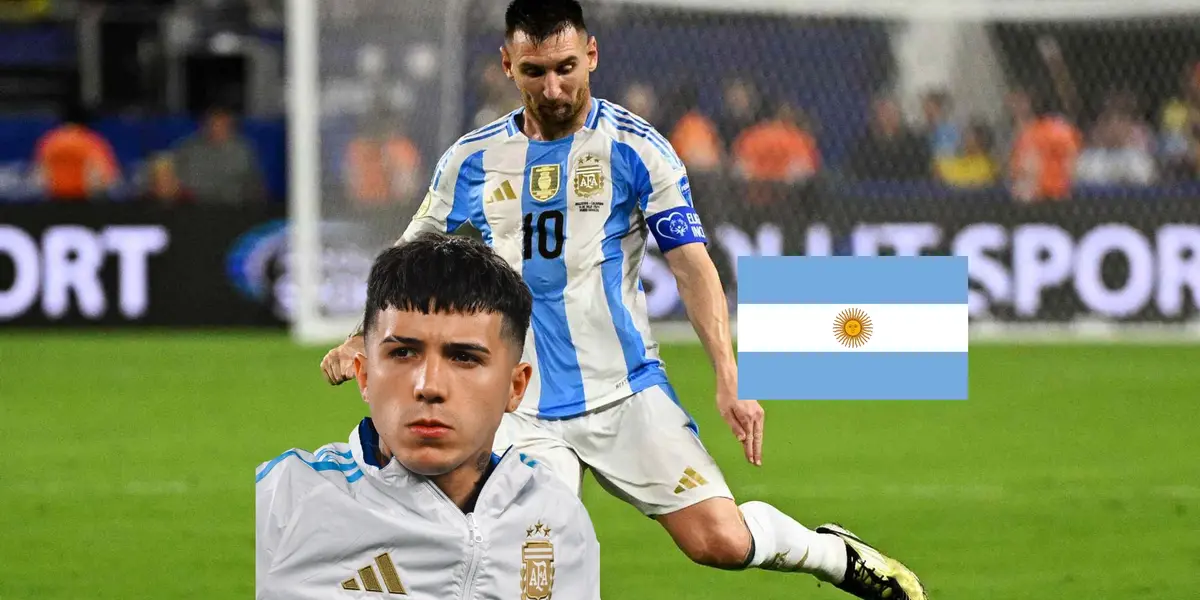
(1072, 472)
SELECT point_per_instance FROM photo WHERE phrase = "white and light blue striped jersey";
(573, 216)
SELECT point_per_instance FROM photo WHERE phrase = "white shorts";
(643, 450)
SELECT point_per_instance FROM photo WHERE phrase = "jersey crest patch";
(537, 564)
(544, 181)
(425, 205)
(589, 176)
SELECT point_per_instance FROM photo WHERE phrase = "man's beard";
(560, 114)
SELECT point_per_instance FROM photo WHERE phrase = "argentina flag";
(852, 328)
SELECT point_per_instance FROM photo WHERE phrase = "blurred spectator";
(1018, 105)
(498, 96)
(1117, 155)
(382, 165)
(944, 135)
(1179, 144)
(1124, 106)
(695, 137)
(974, 167)
(73, 163)
(781, 149)
(161, 180)
(740, 109)
(1043, 156)
(640, 99)
(216, 165)
(889, 150)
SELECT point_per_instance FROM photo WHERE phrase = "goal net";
(1056, 143)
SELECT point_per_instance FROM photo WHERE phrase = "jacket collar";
(503, 482)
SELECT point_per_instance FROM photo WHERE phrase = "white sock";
(780, 544)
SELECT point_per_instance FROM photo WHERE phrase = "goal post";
(375, 89)
(304, 174)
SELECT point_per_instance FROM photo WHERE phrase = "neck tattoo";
(481, 463)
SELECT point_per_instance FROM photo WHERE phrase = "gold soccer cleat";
(871, 575)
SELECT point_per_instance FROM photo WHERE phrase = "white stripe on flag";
(894, 327)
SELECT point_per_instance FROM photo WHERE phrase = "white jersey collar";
(590, 122)
(507, 476)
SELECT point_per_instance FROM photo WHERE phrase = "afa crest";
(537, 564)
(589, 176)
(544, 181)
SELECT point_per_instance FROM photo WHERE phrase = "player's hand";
(745, 418)
(338, 364)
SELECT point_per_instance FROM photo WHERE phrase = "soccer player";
(568, 189)
(416, 504)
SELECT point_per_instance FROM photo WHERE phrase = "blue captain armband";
(676, 227)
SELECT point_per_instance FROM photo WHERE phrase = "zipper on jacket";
(476, 542)
(474, 536)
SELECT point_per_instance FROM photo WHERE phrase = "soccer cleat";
(870, 574)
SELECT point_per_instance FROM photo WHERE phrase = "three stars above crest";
(538, 528)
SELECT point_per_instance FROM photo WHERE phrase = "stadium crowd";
(1037, 152)
(740, 136)
(214, 165)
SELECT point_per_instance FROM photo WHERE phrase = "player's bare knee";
(720, 545)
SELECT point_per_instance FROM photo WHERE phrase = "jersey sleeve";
(580, 559)
(274, 501)
(447, 201)
(667, 200)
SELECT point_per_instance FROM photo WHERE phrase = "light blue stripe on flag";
(852, 375)
(852, 279)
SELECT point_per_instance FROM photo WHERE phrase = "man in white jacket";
(416, 504)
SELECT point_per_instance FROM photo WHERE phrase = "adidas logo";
(502, 193)
(689, 480)
(370, 581)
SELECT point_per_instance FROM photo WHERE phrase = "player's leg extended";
(539, 442)
(646, 453)
(774, 541)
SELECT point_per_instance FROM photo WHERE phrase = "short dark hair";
(76, 113)
(1041, 103)
(448, 274)
(541, 19)
(983, 132)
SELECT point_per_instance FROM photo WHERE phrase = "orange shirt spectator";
(697, 142)
(74, 162)
(382, 171)
(1043, 159)
(777, 150)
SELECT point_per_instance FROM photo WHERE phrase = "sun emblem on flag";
(852, 328)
